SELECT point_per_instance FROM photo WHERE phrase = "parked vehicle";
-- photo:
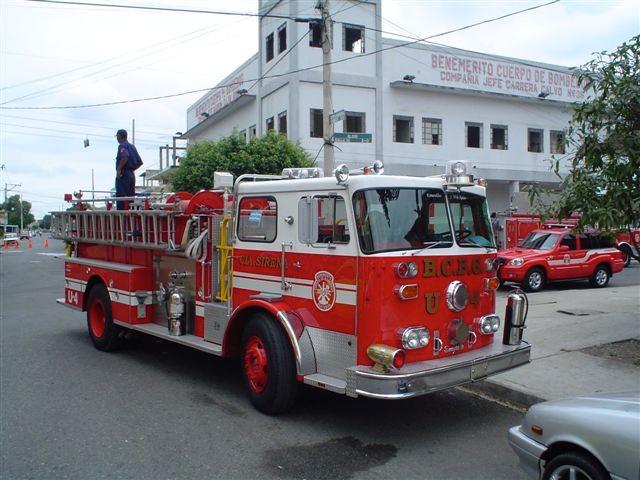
(595, 437)
(10, 240)
(25, 235)
(558, 254)
(364, 285)
(626, 246)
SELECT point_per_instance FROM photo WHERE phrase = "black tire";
(105, 335)
(600, 277)
(586, 467)
(534, 280)
(268, 365)
(626, 254)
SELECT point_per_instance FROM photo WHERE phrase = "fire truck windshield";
(540, 241)
(470, 215)
(389, 219)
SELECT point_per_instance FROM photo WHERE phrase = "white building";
(420, 105)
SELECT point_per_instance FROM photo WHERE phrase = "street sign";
(352, 137)
(338, 116)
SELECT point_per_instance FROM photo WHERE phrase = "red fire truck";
(362, 284)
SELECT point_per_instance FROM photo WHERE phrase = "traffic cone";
(30, 245)
(17, 246)
(46, 243)
(5, 246)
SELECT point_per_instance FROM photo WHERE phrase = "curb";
(503, 393)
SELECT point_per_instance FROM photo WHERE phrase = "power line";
(166, 9)
(232, 84)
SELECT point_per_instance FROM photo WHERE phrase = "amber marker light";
(385, 357)
(407, 292)
(536, 429)
(491, 283)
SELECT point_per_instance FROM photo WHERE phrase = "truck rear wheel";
(104, 334)
(268, 366)
(534, 280)
(626, 255)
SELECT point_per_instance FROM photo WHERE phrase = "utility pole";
(21, 214)
(133, 131)
(327, 100)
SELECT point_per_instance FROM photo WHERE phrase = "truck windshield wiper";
(433, 244)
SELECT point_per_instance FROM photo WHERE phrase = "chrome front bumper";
(425, 377)
(528, 450)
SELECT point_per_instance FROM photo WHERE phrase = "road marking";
(52, 254)
(34, 261)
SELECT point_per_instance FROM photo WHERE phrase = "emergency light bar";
(298, 173)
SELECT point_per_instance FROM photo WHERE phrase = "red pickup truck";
(557, 254)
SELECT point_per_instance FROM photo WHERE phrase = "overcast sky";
(56, 55)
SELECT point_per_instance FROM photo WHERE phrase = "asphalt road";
(156, 410)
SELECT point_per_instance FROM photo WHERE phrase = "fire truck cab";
(362, 284)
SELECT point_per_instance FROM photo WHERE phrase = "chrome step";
(162, 332)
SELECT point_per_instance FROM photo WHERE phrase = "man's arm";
(121, 165)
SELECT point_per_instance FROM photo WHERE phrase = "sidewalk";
(562, 322)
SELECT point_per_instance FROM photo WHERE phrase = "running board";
(324, 381)
(162, 332)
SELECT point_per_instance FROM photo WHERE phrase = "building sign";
(503, 77)
(221, 97)
(352, 137)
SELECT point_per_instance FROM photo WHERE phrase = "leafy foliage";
(266, 155)
(12, 207)
(603, 183)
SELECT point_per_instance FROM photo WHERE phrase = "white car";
(595, 437)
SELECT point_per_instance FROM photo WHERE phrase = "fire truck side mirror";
(308, 220)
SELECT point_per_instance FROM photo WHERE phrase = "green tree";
(266, 155)
(603, 183)
(12, 207)
(45, 223)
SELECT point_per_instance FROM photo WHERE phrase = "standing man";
(125, 177)
(495, 225)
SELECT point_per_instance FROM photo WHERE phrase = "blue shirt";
(124, 151)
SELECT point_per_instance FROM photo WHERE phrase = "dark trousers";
(125, 187)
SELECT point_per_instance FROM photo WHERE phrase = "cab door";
(566, 262)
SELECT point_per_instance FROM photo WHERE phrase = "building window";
(473, 134)
(354, 122)
(499, 137)
(243, 134)
(315, 34)
(282, 38)
(432, 131)
(316, 123)
(257, 219)
(556, 141)
(270, 124)
(535, 139)
(402, 129)
(352, 38)
(252, 132)
(282, 123)
(269, 47)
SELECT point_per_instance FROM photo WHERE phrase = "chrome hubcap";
(601, 277)
(535, 280)
(569, 472)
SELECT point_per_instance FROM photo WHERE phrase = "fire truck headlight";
(488, 324)
(457, 295)
(385, 357)
(516, 262)
(341, 173)
(414, 337)
(406, 269)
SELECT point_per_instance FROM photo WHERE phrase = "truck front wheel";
(534, 280)
(104, 334)
(268, 366)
